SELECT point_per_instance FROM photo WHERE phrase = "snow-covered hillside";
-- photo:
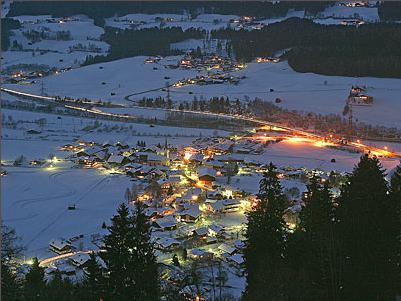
(298, 91)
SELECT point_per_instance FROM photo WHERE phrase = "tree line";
(103, 9)
(366, 50)
(148, 41)
(269, 111)
(389, 11)
(7, 24)
(344, 248)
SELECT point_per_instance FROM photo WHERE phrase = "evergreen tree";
(129, 257)
(265, 242)
(9, 286)
(145, 259)
(34, 282)
(93, 284)
(315, 254)
(369, 238)
(60, 289)
(10, 252)
(395, 195)
(118, 253)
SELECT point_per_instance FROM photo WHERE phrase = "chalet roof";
(59, 244)
(226, 249)
(116, 159)
(156, 157)
(92, 150)
(166, 242)
(237, 258)
(166, 222)
(230, 202)
(80, 258)
(193, 212)
(216, 228)
(201, 231)
(197, 157)
(206, 172)
(229, 158)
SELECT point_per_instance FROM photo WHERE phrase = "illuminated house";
(206, 176)
(60, 246)
(190, 215)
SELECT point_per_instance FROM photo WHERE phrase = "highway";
(363, 148)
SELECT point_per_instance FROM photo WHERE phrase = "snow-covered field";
(35, 203)
(369, 14)
(206, 22)
(52, 52)
(306, 92)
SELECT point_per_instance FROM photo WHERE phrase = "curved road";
(357, 146)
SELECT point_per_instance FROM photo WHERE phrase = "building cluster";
(358, 95)
(267, 60)
(209, 62)
(247, 22)
(28, 74)
(211, 79)
(195, 213)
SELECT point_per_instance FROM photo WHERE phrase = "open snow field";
(35, 203)
(52, 52)
(306, 92)
(369, 14)
(206, 22)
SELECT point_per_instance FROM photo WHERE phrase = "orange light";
(187, 156)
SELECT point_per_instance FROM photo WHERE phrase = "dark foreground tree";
(11, 250)
(395, 195)
(313, 249)
(34, 286)
(265, 242)
(131, 268)
(369, 234)
(146, 264)
(93, 286)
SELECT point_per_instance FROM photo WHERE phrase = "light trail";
(319, 140)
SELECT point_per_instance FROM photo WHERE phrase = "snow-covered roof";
(201, 231)
(206, 172)
(59, 244)
(193, 212)
(226, 249)
(166, 242)
(237, 258)
(116, 159)
(166, 222)
(80, 258)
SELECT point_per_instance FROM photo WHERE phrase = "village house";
(117, 160)
(225, 250)
(206, 176)
(236, 260)
(79, 259)
(190, 215)
(166, 223)
(166, 243)
(224, 206)
(200, 254)
(60, 246)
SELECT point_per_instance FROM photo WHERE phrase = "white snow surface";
(306, 92)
